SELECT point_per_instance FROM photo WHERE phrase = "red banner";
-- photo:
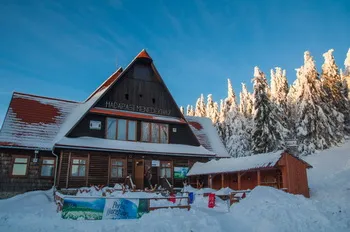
(211, 200)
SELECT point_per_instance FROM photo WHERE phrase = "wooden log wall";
(10, 185)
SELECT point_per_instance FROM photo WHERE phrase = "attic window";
(127, 96)
(153, 100)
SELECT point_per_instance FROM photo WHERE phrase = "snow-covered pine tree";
(335, 96)
(188, 108)
(314, 120)
(182, 110)
(268, 132)
(220, 127)
(346, 75)
(279, 92)
(212, 109)
(245, 103)
(237, 137)
(200, 110)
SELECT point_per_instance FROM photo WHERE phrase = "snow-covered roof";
(90, 143)
(33, 121)
(207, 135)
(236, 164)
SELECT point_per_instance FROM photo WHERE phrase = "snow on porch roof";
(207, 135)
(236, 164)
(90, 143)
(33, 121)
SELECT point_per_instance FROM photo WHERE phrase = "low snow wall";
(100, 208)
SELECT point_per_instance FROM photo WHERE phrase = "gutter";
(56, 168)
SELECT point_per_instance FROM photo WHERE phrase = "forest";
(313, 110)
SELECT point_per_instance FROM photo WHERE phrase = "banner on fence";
(103, 208)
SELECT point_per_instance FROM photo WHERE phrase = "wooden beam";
(210, 181)
(239, 180)
(259, 177)
(222, 180)
(68, 170)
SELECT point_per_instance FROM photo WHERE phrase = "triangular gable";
(95, 99)
(82, 109)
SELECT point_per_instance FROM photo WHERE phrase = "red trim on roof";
(196, 125)
(112, 112)
(107, 83)
(143, 54)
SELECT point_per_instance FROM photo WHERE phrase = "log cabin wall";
(98, 168)
(11, 185)
(295, 174)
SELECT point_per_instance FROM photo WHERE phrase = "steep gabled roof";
(207, 135)
(33, 121)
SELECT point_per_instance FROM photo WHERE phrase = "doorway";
(139, 166)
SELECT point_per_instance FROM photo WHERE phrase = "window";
(145, 131)
(164, 131)
(78, 167)
(20, 166)
(47, 167)
(111, 128)
(165, 169)
(132, 130)
(121, 129)
(117, 168)
(154, 132)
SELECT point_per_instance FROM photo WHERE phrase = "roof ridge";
(120, 69)
(143, 54)
(44, 97)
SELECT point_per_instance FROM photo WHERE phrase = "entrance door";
(139, 173)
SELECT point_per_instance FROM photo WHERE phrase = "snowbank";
(269, 209)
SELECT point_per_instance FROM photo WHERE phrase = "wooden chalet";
(129, 126)
(280, 170)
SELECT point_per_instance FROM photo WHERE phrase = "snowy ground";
(265, 209)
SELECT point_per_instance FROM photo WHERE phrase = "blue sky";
(66, 49)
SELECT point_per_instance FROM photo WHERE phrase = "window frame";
(123, 166)
(14, 162)
(150, 132)
(171, 168)
(42, 164)
(126, 129)
(86, 166)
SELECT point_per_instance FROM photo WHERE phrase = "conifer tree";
(212, 109)
(200, 110)
(182, 110)
(335, 96)
(314, 120)
(346, 74)
(246, 103)
(268, 132)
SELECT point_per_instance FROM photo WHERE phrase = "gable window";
(78, 167)
(111, 128)
(47, 167)
(20, 166)
(121, 129)
(165, 169)
(117, 168)
(154, 132)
